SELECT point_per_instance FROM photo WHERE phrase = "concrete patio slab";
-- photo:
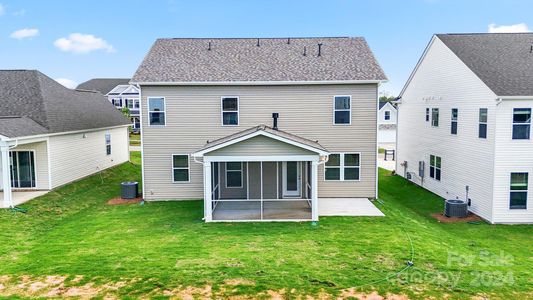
(347, 207)
(20, 197)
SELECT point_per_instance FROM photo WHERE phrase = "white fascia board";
(262, 82)
(254, 134)
(515, 97)
(257, 158)
(64, 133)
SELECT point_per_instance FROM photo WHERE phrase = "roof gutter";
(7, 139)
(515, 98)
(217, 83)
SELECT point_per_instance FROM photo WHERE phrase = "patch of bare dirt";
(120, 201)
(238, 281)
(190, 293)
(353, 293)
(442, 218)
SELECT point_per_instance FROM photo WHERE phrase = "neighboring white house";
(464, 119)
(120, 93)
(51, 135)
(387, 117)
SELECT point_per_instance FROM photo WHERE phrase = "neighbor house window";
(234, 174)
(435, 117)
(435, 167)
(156, 111)
(518, 190)
(136, 104)
(343, 166)
(108, 143)
(483, 113)
(387, 115)
(342, 109)
(427, 114)
(230, 111)
(455, 116)
(521, 123)
(180, 168)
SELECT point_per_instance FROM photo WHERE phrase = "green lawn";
(135, 139)
(70, 243)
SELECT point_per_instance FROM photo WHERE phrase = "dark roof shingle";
(32, 103)
(275, 59)
(102, 85)
(503, 61)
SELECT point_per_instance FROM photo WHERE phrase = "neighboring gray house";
(464, 119)
(205, 106)
(120, 93)
(51, 135)
(387, 118)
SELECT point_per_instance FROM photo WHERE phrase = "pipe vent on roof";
(305, 51)
(319, 49)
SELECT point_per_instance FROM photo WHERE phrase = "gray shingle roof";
(241, 60)
(102, 85)
(264, 128)
(503, 61)
(32, 103)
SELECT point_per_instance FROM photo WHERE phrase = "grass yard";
(135, 139)
(70, 243)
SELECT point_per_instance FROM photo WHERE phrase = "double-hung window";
(136, 104)
(483, 118)
(518, 191)
(455, 116)
(435, 167)
(427, 114)
(342, 109)
(521, 123)
(387, 115)
(343, 166)
(180, 168)
(435, 117)
(230, 111)
(156, 111)
(234, 174)
(108, 143)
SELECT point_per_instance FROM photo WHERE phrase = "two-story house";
(464, 122)
(261, 129)
(387, 124)
(120, 93)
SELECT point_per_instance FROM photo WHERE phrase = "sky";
(74, 41)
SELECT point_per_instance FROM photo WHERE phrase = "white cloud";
(520, 27)
(71, 84)
(82, 43)
(24, 33)
(2, 9)
(19, 12)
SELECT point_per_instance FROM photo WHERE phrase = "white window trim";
(428, 115)
(513, 124)
(222, 111)
(226, 176)
(22, 149)
(342, 167)
(180, 168)
(440, 169)
(510, 190)
(486, 123)
(438, 117)
(349, 110)
(164, 110)
(456, 121)
(106, 144)
(385, 115)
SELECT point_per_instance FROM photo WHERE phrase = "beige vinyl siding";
(466, 159)
(41, 163)
(260, 146)
(73, 156)
(193, 116)
(511, 156)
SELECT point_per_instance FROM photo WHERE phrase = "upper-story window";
(387, 115)
(427, 114)
(156, 111)
(136, 104)
(521, 123)
(435, 117)
(342, 109)
(518, 191)
(230, 111)
(455, 117)
(117, 102)
(483, 118)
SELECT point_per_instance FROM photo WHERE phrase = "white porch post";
(314, 190)
(6, 177)
(208, 207)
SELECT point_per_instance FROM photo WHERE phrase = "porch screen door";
(22, 165)
(291, 178)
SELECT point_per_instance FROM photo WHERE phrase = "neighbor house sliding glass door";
(22, 165)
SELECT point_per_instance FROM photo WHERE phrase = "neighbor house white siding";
(74, 156)
(511, 156)
(443, 81)
(387, 128)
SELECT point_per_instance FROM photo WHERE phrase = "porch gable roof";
(264, 130)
